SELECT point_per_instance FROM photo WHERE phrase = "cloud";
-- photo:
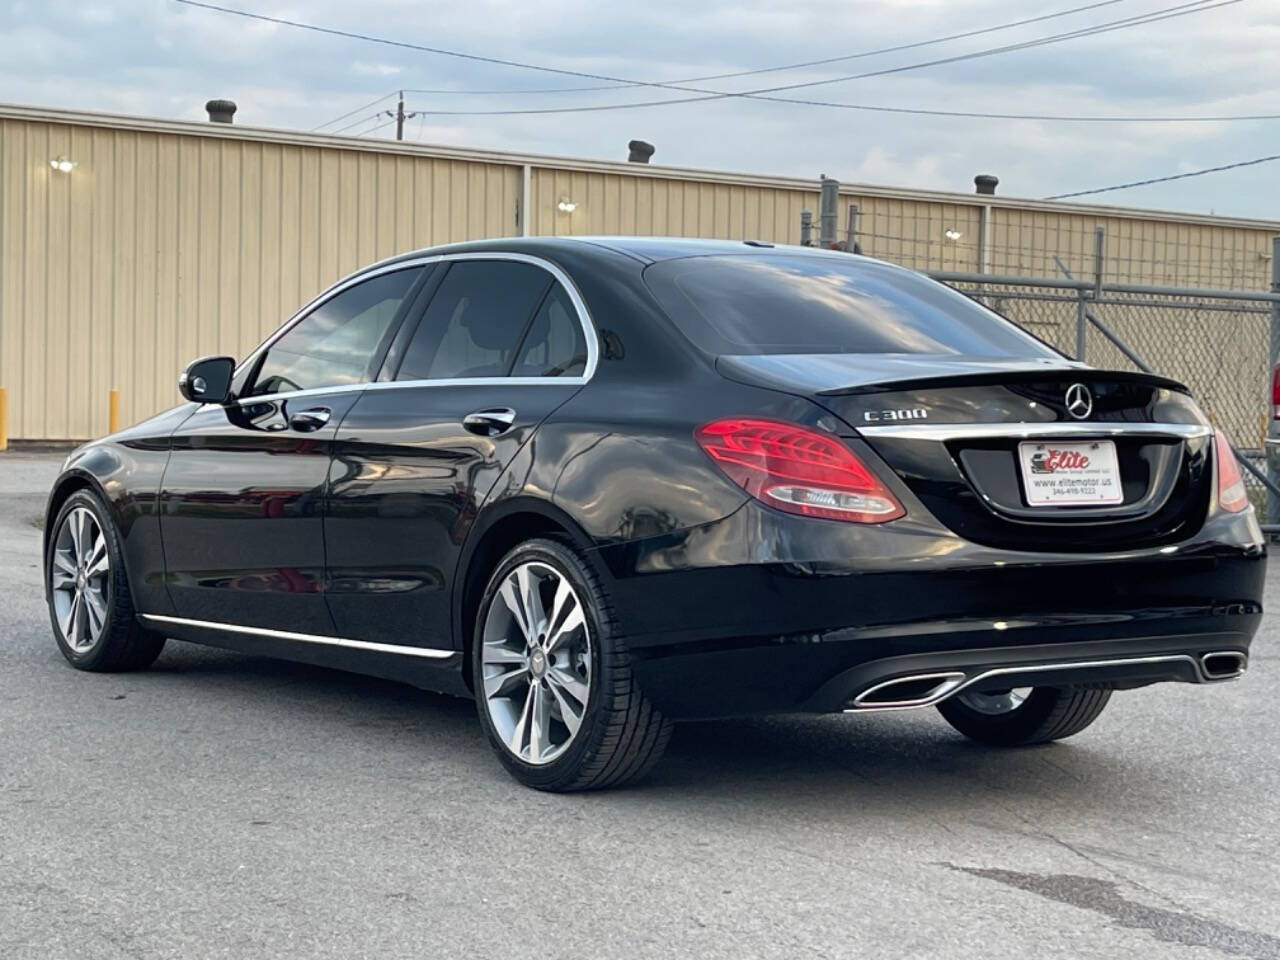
(362, 69)
(159, 57)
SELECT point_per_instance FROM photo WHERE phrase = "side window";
(475, 320)
(554, 346)
(334, 344)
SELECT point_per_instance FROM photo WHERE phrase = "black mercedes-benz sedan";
(605, 484)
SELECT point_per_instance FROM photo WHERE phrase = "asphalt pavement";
(222, 805)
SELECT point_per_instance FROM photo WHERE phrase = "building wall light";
(953, 235)
(566, 206)
(62, 164)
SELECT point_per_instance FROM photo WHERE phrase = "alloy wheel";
(536, 662)
(79, 575)
(997, 702)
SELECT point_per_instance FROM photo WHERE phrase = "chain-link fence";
(1024, 242)
(1198, 312)
(1217, 342)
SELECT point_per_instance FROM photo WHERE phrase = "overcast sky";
(160, 58)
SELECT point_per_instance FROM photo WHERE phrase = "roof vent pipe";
(640, 151)
(221, 111)
(986, 183)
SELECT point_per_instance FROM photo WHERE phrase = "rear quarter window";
(793, 303)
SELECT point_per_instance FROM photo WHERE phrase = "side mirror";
(207, 380)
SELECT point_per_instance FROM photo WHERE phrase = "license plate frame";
(1070, 473)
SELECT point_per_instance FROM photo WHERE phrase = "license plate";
(1070, 474)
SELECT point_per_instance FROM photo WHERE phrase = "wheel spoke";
(96, 608)
(61, 578)
(534, 614)
(76, 525)
(64, 563)
(518, 735)
(539, 722)
(570, 683)
(77, 620)
(570, 712)
(97, 563)
(572, 621)
(564, 601)
(67, 620)
(509, 596)
(501, 684)
(499, 653)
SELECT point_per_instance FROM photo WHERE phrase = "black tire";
(1048, 713)
(123, 643)
(622, 735)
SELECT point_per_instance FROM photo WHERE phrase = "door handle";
(491, 422)
(305, 421)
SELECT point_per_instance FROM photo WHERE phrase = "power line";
(792, 66)
(380, 126)
(355, 123)
(906, 46)
(614, 82)
(705, 95)
(371, 103)
(375, 128)
(764, 93)
(1176, 176)
(964, 114)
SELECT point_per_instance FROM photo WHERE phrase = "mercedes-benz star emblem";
(1079, 401)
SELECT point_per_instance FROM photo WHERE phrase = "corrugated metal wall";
(610, 203)
(158, 248)
(172, 240)
(923, 235)
(1135, 249)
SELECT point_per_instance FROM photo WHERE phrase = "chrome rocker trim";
(433, 653)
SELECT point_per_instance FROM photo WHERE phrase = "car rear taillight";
(1231, 493)
(1275, 392)
(798, 470)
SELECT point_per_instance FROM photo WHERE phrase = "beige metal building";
(130, 245)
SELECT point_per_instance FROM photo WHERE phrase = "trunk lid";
(974, 440)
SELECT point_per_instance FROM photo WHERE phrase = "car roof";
(643, 249)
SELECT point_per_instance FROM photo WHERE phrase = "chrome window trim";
(984, 431)
(404, 384)
(571, 288)
(323, 297)
(432, 653)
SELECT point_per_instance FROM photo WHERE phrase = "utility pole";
(400, 116)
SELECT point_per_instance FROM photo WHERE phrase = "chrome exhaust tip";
(906, 693)
(1223, 664)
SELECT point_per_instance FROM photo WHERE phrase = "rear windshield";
(792, 303)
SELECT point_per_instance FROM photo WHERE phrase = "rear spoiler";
(1086, 376)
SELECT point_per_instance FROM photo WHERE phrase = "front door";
(499, 347)
(242, 498)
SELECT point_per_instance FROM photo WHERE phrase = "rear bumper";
(781, 632)
(904, 683)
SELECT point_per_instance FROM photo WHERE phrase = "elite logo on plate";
(1063, 474)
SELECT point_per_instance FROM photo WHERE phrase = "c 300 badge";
(883, 416)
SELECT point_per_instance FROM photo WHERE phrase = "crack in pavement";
(1103, 897)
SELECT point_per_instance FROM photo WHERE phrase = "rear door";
(504, 341)
(243, 494)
